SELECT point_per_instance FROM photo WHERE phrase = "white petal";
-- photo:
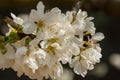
(32, 63)
(56, 10)
(90, 27)
(56, 71)
(34, 16)
(89, 18)
(69, 16)
(29, 28)
(74, 61)
(40, 7)
(21, 51)
(56, 45)
(59, 70)
(98, 48)
(98, 36)
(66, 58)
(41, 57)
(75, 49)
(41, 54)
(80, 68)
(13, 15)
(92, 55)
(17, 19)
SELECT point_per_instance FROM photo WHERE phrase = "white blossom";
(49, 39)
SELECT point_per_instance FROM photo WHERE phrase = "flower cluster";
(38, 47)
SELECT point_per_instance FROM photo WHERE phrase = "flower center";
(40, 24)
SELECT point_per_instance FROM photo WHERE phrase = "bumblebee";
(86, 38)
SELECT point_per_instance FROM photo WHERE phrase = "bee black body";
(86, 38)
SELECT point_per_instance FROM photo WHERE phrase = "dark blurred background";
(106, 15)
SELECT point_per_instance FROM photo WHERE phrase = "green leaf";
(13, 37)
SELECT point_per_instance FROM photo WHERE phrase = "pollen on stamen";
(40, 24)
